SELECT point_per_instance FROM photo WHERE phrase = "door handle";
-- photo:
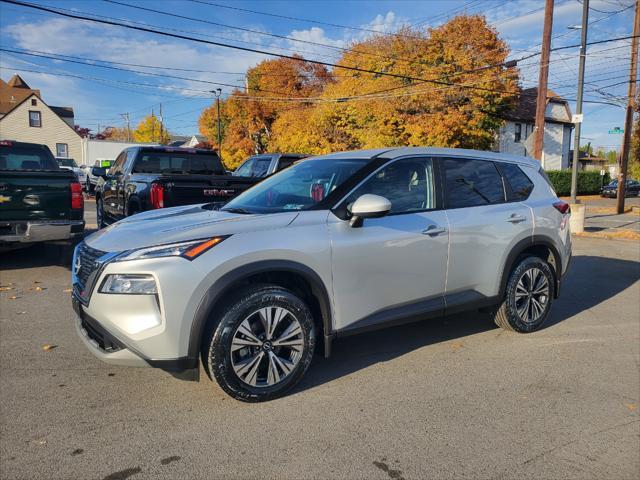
(515, 218)
(434, 230)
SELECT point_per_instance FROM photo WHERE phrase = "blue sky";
(100, 95)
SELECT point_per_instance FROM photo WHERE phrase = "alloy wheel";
(532, 295)
(266, 346)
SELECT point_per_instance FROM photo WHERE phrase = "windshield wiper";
(241, 211)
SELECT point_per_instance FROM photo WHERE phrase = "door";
(392, 267)
(111, 203)
(485, 222)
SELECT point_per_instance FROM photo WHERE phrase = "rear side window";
(285, 161)
(261, 167)
(471, 183)
(521, 185)
(178, 162)
(26, 158)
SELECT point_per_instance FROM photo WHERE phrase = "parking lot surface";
(447, 398)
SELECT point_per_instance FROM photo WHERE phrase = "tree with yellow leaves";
(151, 130)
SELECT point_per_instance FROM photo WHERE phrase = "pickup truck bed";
(37, 204)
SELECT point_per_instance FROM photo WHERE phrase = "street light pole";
(217, 92)
(576, 135)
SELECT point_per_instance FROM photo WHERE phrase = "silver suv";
(332, 246)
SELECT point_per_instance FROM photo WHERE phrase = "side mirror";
(368, 206)
(99, 172)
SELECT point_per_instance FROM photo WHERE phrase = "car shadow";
(590, 281)
(35, 256)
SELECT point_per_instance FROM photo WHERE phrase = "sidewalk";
(602, 221)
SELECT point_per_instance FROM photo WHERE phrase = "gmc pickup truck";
(39, 201)
(150, 177)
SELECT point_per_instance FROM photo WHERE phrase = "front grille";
(98, 334)
(87, 257)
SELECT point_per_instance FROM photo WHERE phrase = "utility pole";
(628, 119)
(217, 92)
(541, 102)
(576, 134)
(126, 118)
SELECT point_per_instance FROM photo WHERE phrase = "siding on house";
(15, 126)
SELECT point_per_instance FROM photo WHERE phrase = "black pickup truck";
(145, 178)
(39, 201)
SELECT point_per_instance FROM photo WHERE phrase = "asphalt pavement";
(441, 399)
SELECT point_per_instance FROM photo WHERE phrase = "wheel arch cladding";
(539, 246)
(294, 276)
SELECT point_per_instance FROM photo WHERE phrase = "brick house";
(25, 117)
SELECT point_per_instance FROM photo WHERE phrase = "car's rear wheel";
(527, 297)
(262, 345)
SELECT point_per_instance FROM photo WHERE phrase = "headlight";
(189, 250)
(134, 284)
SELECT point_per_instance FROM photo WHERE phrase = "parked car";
(39, 201)
(332, 246)
(611, 190)
(92, 179)
(260, 166)
(70, 164)
(151, 177)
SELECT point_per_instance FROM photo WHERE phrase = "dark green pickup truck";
(39, 201)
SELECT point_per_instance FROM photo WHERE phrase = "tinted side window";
(261, 167)
(285, 162)
(470, 183)
(407, 184)
(521, 185)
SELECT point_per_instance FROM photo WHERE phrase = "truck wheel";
(100, 213)
(528, 296)
(262, 345)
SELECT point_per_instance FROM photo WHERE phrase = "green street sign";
(616, 130)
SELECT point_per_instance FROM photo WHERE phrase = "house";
(587, 161)
(520, 122)
(186, 141)
(25, 117)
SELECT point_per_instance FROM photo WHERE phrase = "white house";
(186, 141)
(25, 117)
(520, 122)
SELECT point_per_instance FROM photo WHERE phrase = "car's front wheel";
(262, 345)
(100, 213)
(527, 297)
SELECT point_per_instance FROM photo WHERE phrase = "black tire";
(512, 312)
(221, 359)
(100, 213)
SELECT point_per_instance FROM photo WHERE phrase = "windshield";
(299, 187)
(178, 162)
(67, 162)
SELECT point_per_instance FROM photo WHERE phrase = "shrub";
(589, 181)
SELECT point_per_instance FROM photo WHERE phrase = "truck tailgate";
(35, 194)
(191, 189)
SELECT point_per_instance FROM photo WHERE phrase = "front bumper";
(110, 349)
(40, 231)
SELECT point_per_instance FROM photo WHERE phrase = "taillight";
(562, 207)
(157, 195)
(77, 200)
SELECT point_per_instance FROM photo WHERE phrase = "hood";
(178, 224)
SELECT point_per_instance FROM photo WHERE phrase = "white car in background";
(70, 164)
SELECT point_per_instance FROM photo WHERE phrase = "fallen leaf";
(21, 313)
(455, 346)
(14, 297)
(38, 289)
(48, 347)
(36, 281)
(40, 441)
(68, 290)
(4, 288)
(631, 406)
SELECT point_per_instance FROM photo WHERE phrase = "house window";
(518, 133)
(62, 150)
(34, 102)
(34, 119)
